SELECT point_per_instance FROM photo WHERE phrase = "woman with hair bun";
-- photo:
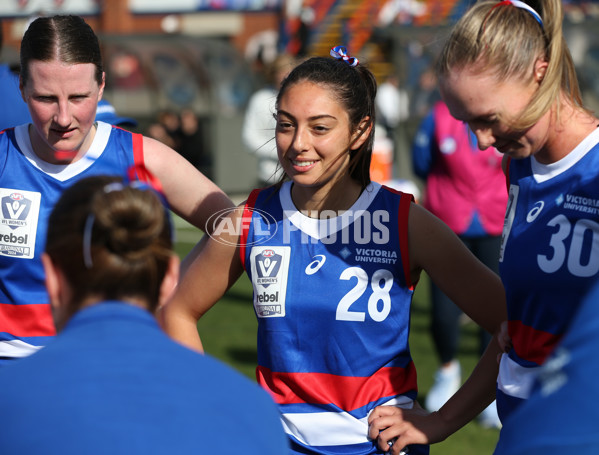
(112, 382)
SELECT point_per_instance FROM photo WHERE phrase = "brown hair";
(68, 39)
(123, 230)
(507, 41)
(355, 89)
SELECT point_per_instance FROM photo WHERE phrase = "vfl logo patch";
(270, 267)
(15, 209)
(18, 223)
(269, 264)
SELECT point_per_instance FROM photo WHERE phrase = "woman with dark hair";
(62, 80)
(334, 259)
(112, 382)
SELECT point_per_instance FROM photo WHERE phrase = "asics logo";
(534, 212)
(316, 264)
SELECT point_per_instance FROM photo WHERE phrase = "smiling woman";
(62, 80)
(333, 268)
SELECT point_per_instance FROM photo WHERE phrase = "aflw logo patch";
(270, 266)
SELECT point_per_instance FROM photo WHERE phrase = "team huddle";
(98, 319)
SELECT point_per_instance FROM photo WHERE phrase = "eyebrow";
(314, 117)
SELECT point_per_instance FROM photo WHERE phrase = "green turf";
(228, 332)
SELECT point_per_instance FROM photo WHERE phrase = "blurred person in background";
(465, 187)
(13, 110)
(166, 128)
(259, 123)
(193, 145)
(392, 105)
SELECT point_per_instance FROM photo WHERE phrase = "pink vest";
(464, 179)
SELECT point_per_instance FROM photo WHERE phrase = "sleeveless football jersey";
(29, 188)
(332, 297)
(548, 260)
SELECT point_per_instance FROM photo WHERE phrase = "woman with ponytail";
(506, 71)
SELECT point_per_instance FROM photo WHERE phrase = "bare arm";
(208, 277)
(190, 194)
(478, 291)
(473, 287)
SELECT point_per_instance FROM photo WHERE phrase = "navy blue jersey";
(332, 297)
(29, 189)
(561, 415)
(549, 259)
(113, 383)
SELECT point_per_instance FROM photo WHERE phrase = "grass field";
(228, 332)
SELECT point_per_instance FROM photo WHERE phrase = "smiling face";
(62, 100)
(313, 137)
(488, 106)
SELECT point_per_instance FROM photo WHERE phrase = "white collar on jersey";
(63, 172)
(544, 172)
(321, 228)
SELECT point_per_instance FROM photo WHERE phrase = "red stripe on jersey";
(245, 223)
(27, 320)
(348, 393)
(403, 215)
(531, 344)
(402, 222)
(138, 152)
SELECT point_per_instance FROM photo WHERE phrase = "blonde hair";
(508, 41)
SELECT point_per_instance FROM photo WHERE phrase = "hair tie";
(340, 53)
(120, 186)
(87, 241)
(522, 5)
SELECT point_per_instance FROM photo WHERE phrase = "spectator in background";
(392, 105)
(183, 132)
(192, 143)
(13, 110)
(112, 382)
(258, 131)
(166, 129)
(465, 187)
(426, 94)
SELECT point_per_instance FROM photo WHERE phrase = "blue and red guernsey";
(29, 189)
(549, 259)
(332, 297)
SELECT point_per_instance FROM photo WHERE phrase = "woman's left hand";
(398, 427)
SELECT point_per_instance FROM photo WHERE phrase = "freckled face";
(313, 135)
(487, 105)
(62, 100)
